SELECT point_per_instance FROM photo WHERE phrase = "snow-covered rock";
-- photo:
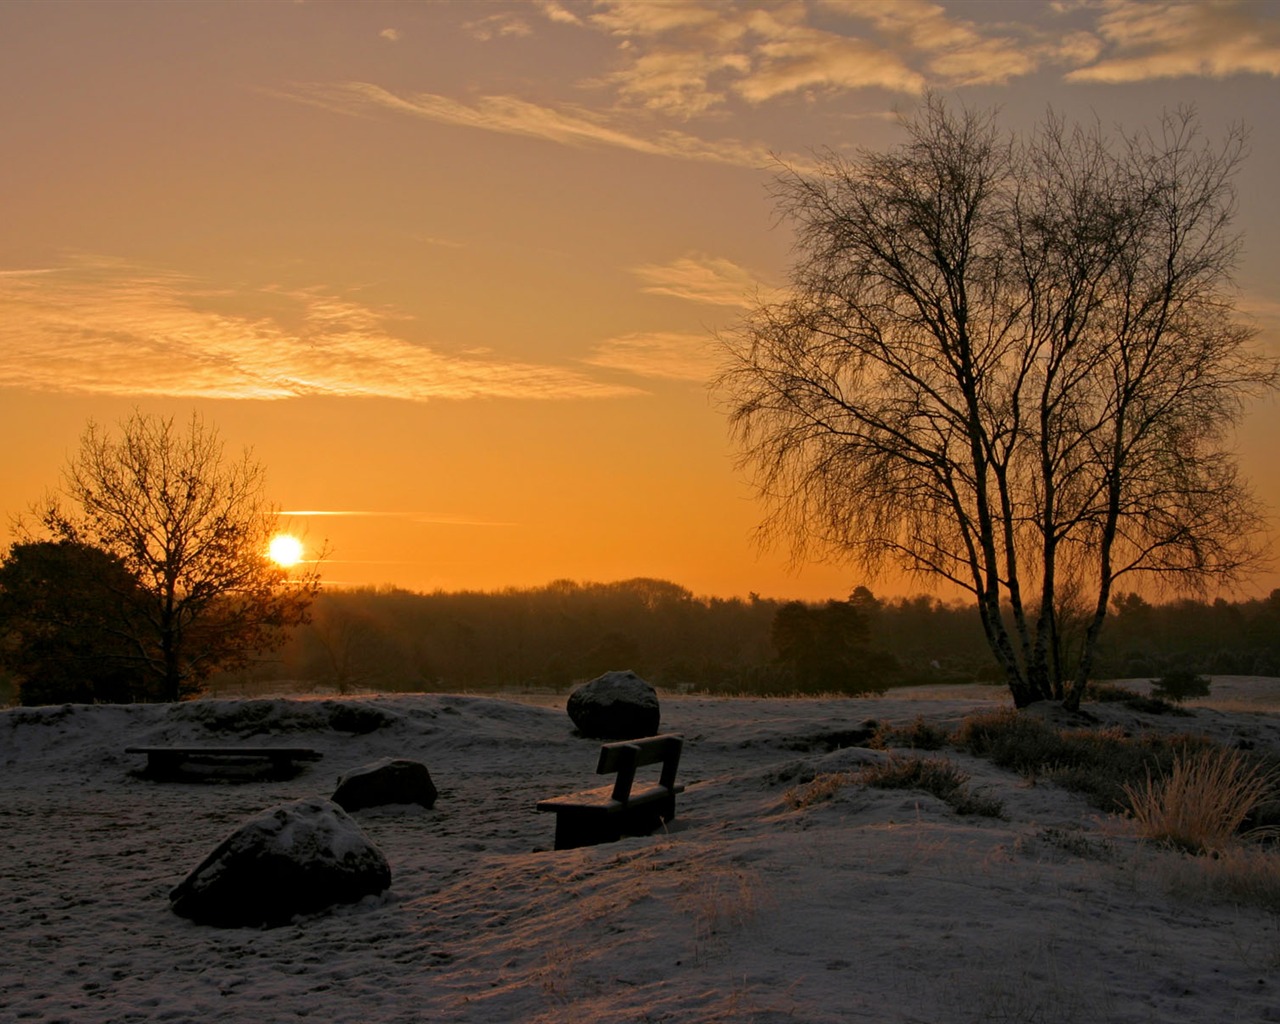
(389, 781)
(298, 858)
(615, 706)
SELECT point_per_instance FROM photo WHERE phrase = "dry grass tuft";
(822, 787)
(1241, 875)
(921, 734)
(936, 776)
(1202, 802)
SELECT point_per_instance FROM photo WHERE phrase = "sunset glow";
(454, 271)
(285, 550)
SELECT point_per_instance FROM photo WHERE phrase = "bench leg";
(164, 764)
(647, 820)
(575, 830)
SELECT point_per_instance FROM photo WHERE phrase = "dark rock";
(298, 858)
(389, 781)
(616, 706)
(357, 719)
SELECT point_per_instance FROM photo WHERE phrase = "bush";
(1244, 876)
(1009, 740)
(1096, 763)
(1180, 685)
(935, 776)
(1113, 693)
(1200, 805)
(919, 735)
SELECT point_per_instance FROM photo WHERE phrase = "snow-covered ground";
(871, 906)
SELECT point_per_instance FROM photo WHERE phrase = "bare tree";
(1013, 364)
(193, 529)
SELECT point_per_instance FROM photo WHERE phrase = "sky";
(453, 270)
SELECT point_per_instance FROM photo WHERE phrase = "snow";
(871, 906)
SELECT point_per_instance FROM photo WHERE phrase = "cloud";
(956, 52)
(108, 328)
(790, 58)
(700, 278)
(1180, 39)
(689, 59)
(557, 13)
(662, 355)
(425, 519)
(509, 115)
(1264, 313)
(391, 35)
(496, 26)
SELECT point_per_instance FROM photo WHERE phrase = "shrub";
(1097, 763)
(1113, 693)
(1241, 875)
(1200, 805)
(1180, 685)
(935, 776)
(919, 735)
(1009, 740)
(821, 787)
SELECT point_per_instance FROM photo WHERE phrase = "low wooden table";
(168, 762)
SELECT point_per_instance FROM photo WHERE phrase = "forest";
(551, 637)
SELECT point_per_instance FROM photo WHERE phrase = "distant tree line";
(550, 638)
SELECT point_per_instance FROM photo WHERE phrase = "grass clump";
(919, 735)
(935, 776)
(1202, 802)
(821, 787)
(1245, 876)
(1114, 693)
(1097, 763)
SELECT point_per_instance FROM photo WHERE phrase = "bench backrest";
(625, 757)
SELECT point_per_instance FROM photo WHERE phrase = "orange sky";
(451, 269)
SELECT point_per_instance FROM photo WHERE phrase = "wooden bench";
(168, 762)
(608, 813)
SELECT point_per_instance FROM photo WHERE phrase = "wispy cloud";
(955, 51)
(425, 519)
(569, 125)
(665, 356)
(1264, 312)
(496, 26)
(689, 59)
(391, 35)
(355, 513)
(700, 278)
(558, 13)
(109, 328)
(1147, 40)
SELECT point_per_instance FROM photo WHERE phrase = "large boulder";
(389, 781)
(615, 706)
(298, 858)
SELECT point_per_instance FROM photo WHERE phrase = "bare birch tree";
(1013, 364)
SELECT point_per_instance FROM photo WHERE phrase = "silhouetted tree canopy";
(192, 528)
(1014, 364)
(66, 615)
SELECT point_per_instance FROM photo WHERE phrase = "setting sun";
(285, 550)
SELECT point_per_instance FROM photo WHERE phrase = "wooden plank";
(297, 753)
